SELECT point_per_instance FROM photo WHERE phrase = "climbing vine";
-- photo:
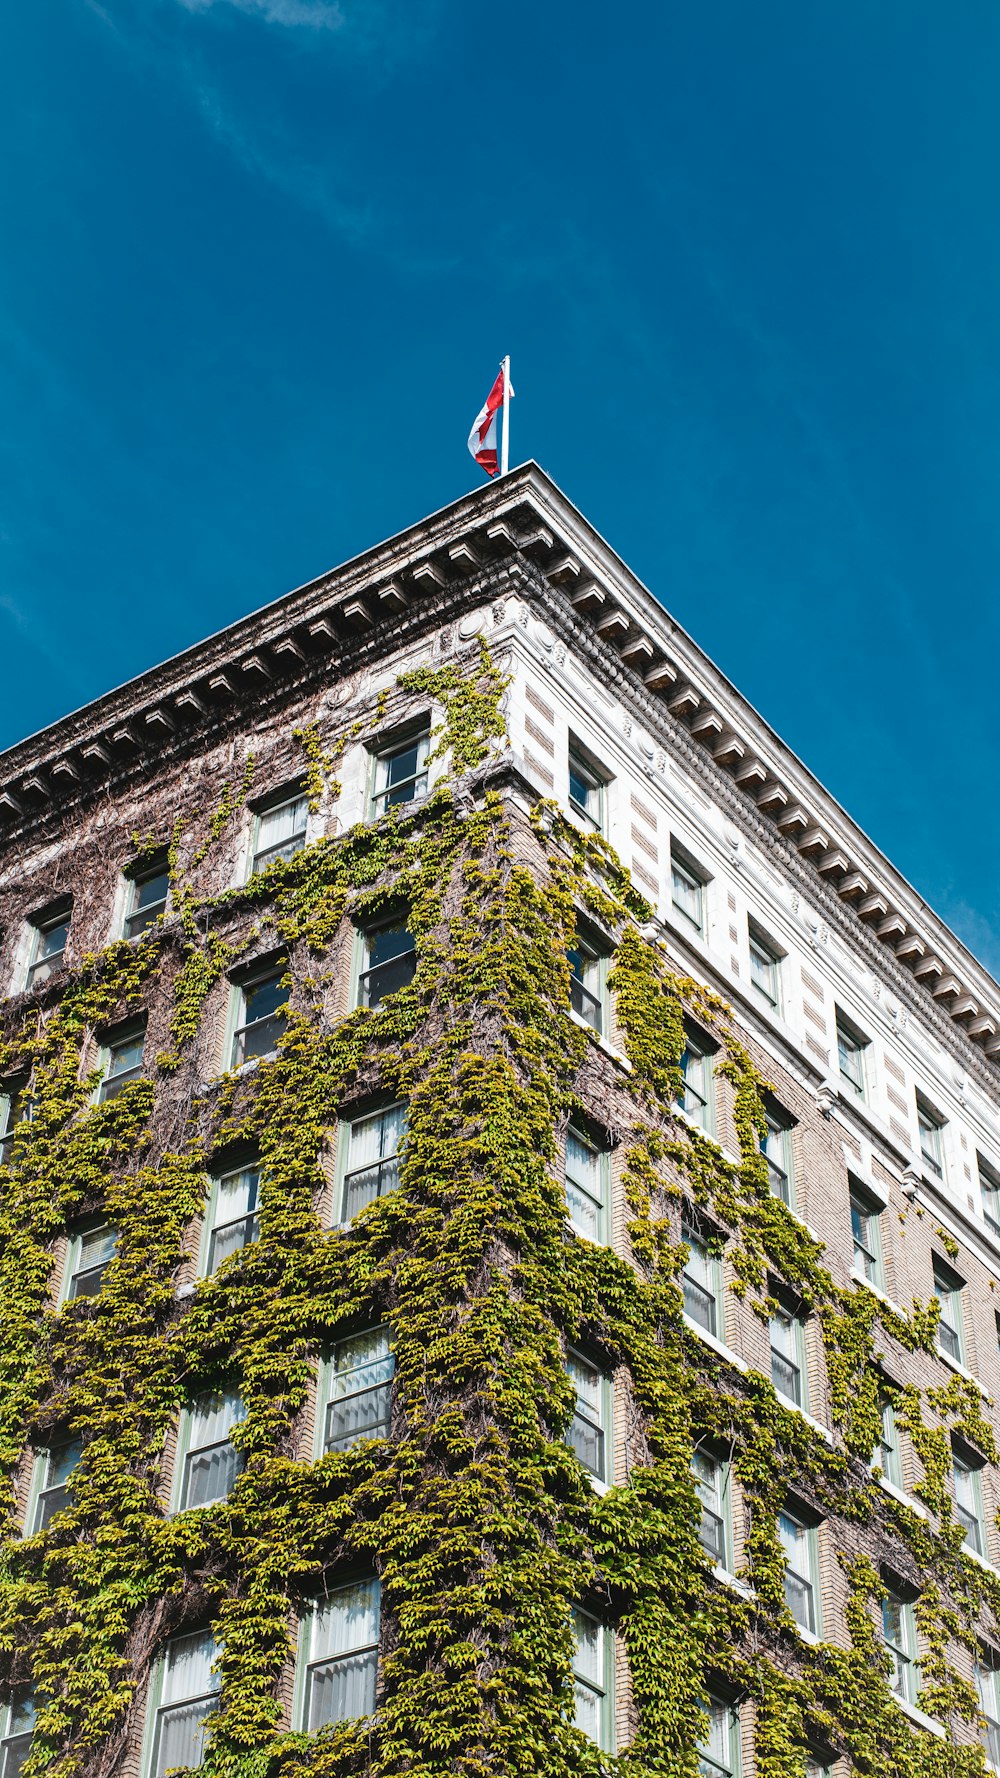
(477, 1515)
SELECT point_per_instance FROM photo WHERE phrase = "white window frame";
(800, 1543)
(688, 882)
(367, 1650)
(13, 1731)
(74, 1256)
(584, 1425)
(967, 1482)
(43, 1486)
(931, 1127)
(866, 1234)
(151, 1766)
(12, 1099)
(227, 1399)
(851, 1047)
(712, 1480)
(417, 736)
(582, 767)
(949, 1290)
(237, 1025)
(987, 1677)
(596, 1683)
(594, 1205)
(250, 1171)
(374, 1377)
(725, 1718)
(701, 1283)
(989, 1193)
(391, 1120)
(696, 1099)
(790, 1318)
(887, 1455)
(588, 984)
(365, 968)
(904, 1680)
(293, 798)
(114, 1079)
(55, 960)
(136, 877)
(765, 981)
(776, 1147)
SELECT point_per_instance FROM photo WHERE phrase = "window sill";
(809, 1637)
(903, 1499)
(735, 1586)
(961, 1370)
(921, 1719)
(616, 1055)
(877, 1291)
(817, 1425)
(981, 1562)
(717, 1346)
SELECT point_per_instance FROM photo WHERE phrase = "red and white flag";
(483, 437)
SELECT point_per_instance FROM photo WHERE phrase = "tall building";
(500, 1210)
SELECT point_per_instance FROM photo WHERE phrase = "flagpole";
(505, 428)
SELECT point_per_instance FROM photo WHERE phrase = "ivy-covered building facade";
(499, 1211)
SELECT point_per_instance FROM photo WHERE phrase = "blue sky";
(260, 258)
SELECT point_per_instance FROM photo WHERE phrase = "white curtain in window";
(212, 1462)
(583, 1184)
(588, 1673)
(343, 1647)
(278, 825)
(188, 1696)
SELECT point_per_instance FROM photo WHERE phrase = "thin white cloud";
(314, 15)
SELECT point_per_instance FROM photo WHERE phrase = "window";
(184, 1695)
(400, 774)
(586, 788)
(279, 831)
(390, 962)
(51, 1489)
(87, 1259)
(711, 1484)
(261, 1013)
(687, 888)
(591, 1690)
(695, 1097)
(931, 1128)
(371, 1158)
(989, 1186)
(798, 1541)
(988, 1687)
(356, 1388)
(900, 1637)
(948, 1287)
(851, 1048)
(48, 943)
(886, 1455)
(586, 983)
(15, 1108)
(146, 894)
(586, 1185)
(233, 1215)
(210, 1462)
(17, 1724)
(776, 1147)
(587, 1431)
(719, 1747)
(969, 1498)
(765, 967)
(340, 1657)
(788, 1354)
(700, 1282)
(121, 1063)
(866, 1235)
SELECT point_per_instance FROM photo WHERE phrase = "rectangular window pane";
(47, 949)
(694, 1099)
(796, 1542)
(584, 1186)
(359, 1386)
(92, 1254)
(865, 1237)
(585, 789)
(262, 1017)
(281, 832)
(123, 1063)
(786, 1372)
(687, 892)
(57, 1467)
(931, 1144)
(586, 1434)
(776, 1149)
(147, 898)
(708, 1482)
(717, 1749)
(401, 774)
(589, 1676)
(212, 1463)
(343, 1657)
(236, 1221)
(188, 1697)
(391, 964)
(584, 985)
(699, 1284)
(15, 1745)
(851, 1057)
(372, 1167)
